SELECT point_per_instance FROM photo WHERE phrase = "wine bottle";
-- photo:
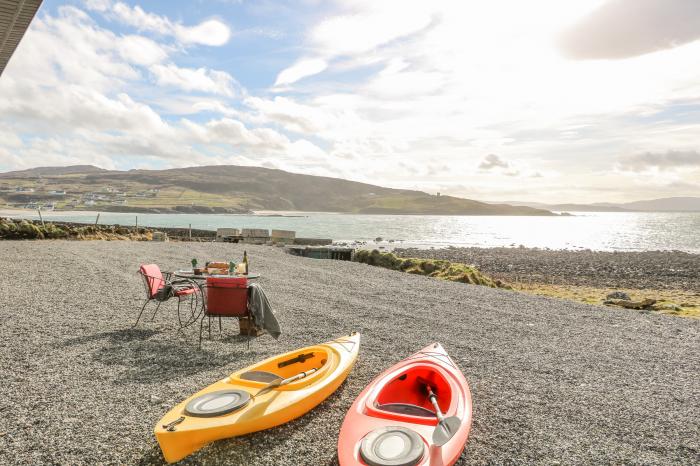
(245, 262)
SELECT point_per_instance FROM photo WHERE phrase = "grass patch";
(673, 302)
(441, 269)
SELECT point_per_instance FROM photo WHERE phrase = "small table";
(190, 274)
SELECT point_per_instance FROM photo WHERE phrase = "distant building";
(58, 192)
(22, 189)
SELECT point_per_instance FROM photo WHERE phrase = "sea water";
(583, 230)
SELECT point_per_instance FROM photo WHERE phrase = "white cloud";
(492, 161)
(141, 50)
(446, 82)
(612, 32)
(417, 93)
(75, 94)
(98, 5)
(300, 70)
(368, 25)
(663, 161)
(212, 32)
(291, 115)
(190, 79)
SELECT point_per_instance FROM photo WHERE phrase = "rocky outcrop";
(643, 304)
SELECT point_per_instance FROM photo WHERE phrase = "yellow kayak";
(294, 383)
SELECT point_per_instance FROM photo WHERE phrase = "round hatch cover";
(392, 446)
(217, 403)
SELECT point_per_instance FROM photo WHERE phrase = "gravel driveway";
(552, 381)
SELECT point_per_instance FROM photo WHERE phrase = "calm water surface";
(595, 230)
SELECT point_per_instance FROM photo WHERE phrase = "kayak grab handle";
(301, 358)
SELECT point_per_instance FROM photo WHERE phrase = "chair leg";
(156, 311)
(220, 331)
(139, 317)
(179, 320)
(201, 327)
(209, 327)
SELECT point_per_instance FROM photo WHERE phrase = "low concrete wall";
(160, 236)
(283, 236)
(223, 232)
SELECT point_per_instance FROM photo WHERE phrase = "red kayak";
(417, 412)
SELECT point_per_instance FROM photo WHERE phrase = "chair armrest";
(180, 281)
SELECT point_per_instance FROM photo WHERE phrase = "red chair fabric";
(227, 296)
(154, 279)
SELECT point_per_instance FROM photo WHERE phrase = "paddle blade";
(445, 430)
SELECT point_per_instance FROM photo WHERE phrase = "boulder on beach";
(618, 295)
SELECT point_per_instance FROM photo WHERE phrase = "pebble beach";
(552, 381)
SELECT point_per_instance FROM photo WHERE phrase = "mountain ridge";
(227, 189)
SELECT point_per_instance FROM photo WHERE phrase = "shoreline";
(672, 278)
(660, 281)
(386, 232)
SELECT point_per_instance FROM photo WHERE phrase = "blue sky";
(575, 101)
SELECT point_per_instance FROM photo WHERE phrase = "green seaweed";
(442, 269)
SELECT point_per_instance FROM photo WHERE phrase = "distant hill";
(668, 204)
(52, 171)
(226, 188)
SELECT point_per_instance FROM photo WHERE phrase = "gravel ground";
(552, 381)
(640, 270)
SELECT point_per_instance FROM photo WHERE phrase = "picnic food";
(394, 421)
(258, 397)
(217, 267)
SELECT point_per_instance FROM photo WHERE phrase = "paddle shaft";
(299, 376)
(279, 383)
(433, 400)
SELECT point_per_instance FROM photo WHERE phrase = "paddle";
(279, 382)
(446, 427)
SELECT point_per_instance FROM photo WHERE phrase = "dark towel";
(262, 311)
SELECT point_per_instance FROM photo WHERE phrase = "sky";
(544, 100)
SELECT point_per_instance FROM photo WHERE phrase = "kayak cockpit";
(405, 396)
(282, 368)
